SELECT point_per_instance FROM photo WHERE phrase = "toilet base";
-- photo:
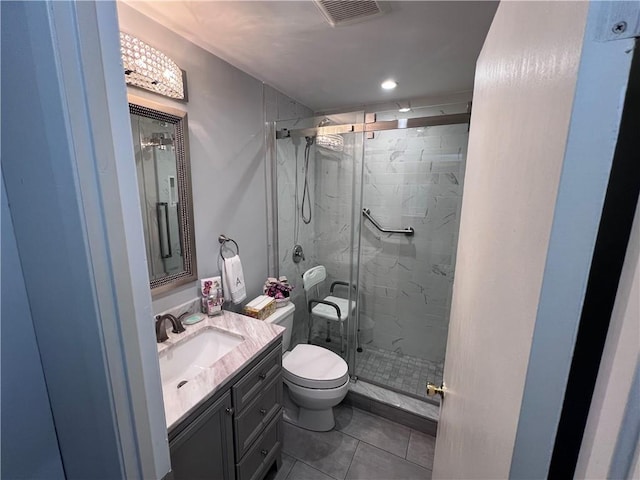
(314, 420)
(317, 420)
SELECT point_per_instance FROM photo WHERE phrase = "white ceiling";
(428, 47)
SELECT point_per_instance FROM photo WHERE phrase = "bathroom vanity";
(225, 422)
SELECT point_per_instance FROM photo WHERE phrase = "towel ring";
(223, 240)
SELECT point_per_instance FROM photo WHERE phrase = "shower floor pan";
(398, 372)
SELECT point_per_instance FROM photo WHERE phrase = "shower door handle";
(433, 390)
(167, 232)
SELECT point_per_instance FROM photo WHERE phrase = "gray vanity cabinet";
(236, 434)
(257, 399)
(204, 449)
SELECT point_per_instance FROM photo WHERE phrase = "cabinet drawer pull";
(229, 410)
(263, 411)
(262, 376)
(264, 452)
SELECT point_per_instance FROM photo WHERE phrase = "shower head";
(309, 140)
(331, 141)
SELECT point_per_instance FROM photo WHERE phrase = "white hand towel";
(234, 280)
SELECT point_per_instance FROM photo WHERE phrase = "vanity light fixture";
(148, 68)
(389, 84)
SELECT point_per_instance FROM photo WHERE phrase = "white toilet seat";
(314, 367)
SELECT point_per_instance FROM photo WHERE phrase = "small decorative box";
(260, 307)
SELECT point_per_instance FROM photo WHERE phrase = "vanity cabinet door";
(257, 415)
(253, 382)
(205, 448)
(266, 449)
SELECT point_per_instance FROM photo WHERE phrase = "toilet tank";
(283, 316)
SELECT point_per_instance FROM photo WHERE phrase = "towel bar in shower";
(409, 231)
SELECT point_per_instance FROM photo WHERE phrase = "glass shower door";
(317, 175)
(413, 177)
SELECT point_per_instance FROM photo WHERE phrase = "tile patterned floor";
(396, 371)
(399, 372)
(362, 446)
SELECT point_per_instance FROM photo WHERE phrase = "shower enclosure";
(382, 197)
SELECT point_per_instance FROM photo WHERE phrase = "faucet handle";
(161, 332)
(298, 254)
(178, 327)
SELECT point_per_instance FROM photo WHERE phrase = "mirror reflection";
(162, 167)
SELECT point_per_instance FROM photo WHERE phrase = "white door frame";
(603, 77)
(71, 186)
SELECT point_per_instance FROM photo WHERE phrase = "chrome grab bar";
(409, 231)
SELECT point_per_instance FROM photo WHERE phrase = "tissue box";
(260, 307)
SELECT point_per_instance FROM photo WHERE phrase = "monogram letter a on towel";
(234, 280)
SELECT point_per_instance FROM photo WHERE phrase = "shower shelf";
(409, 231)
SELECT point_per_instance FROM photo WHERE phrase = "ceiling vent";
(343, 12)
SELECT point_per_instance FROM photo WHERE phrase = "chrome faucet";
(161, 332)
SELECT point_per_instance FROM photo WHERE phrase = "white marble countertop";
(258, 335)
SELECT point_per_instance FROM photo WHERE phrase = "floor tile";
(371, 463)
(426, 425)
(302, 471)
(377, 431)
(421, 449)
(330, 452)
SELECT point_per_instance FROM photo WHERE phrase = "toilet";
(316, 379)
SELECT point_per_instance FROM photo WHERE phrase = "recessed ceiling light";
(404, 109)
(389, 84)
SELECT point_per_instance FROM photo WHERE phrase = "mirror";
(160, 141)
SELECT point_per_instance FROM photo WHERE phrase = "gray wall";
(226, 112)
(29, 443)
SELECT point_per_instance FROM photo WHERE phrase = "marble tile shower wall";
(412, 177)
(288, 150)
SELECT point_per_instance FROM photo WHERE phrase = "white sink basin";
(187, 359)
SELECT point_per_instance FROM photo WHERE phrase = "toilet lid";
(314, 367)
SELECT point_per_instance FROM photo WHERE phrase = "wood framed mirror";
(161, 148)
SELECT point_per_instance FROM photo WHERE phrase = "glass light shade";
(389, 84)
(148, 68)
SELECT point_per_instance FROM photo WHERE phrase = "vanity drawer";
(253, 382)
(263, 452)
(253, 419)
